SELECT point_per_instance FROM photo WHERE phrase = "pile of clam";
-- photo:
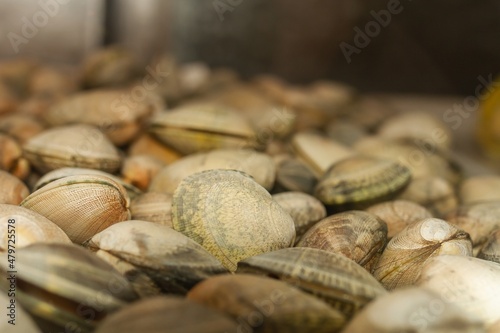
(180, 198)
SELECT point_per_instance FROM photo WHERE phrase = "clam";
(470, 283)
(203, 127)
(169, 86)
(152, 207)
(491, 248)
(81, 205)
(12, 159)
(332, 277)
(304, 209)
(480, 188)
(13, 190)
(147, 145)
(139, 170)
(408, 251)
(423, 159)
(49, 177)
(361, 180)
(360, 236)
(27, 227)
(112, 66)
(20, 127)
(413, 310)
(265, 305)
(294, 175)
(318, 103)
(72, 146)
(171, 260)
(16, 73)
(345, 132)
(478, 219)
(167, 314)
(230, 215)
(417, 126)
(269, 120)
(318, 152)
(64, 286)
(398, 214)
(258, 165)
(52, 82)
(434, 193)
(369, 111)
(109, 110)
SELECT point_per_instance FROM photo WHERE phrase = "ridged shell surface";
(230, 215)
(81, 205)
(360, 179)
(407, 252)
(332, 277)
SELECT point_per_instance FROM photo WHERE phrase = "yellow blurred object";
(488, 130)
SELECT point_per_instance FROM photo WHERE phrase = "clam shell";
(407, 252)
(230, 215)
(345, 132)
(81, 205)
(398, 214)
(332, 277)
(51, 176)
(62, 283)
(139, 170)
(173, 261)
(480, 188)
(294, 175)
(318, 152)
(152, 207)
(203, 127)
(491, 249)
(147, 145)
(266, 305)
(434, 193)
(29, 227)
(106, 109)
(52, 82)
(167, 313)
(20, 127)
(477, 219)
(304, 209)
(72, 146)
(359, 180)
(417, 125)
(11, 159)
(260, 166)
(470, 283)
(422, 159)
(360, 236)
(413, 310)
(111, 66)
(13, 190)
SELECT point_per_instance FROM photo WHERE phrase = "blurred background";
(437, 47)
(420, 55)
